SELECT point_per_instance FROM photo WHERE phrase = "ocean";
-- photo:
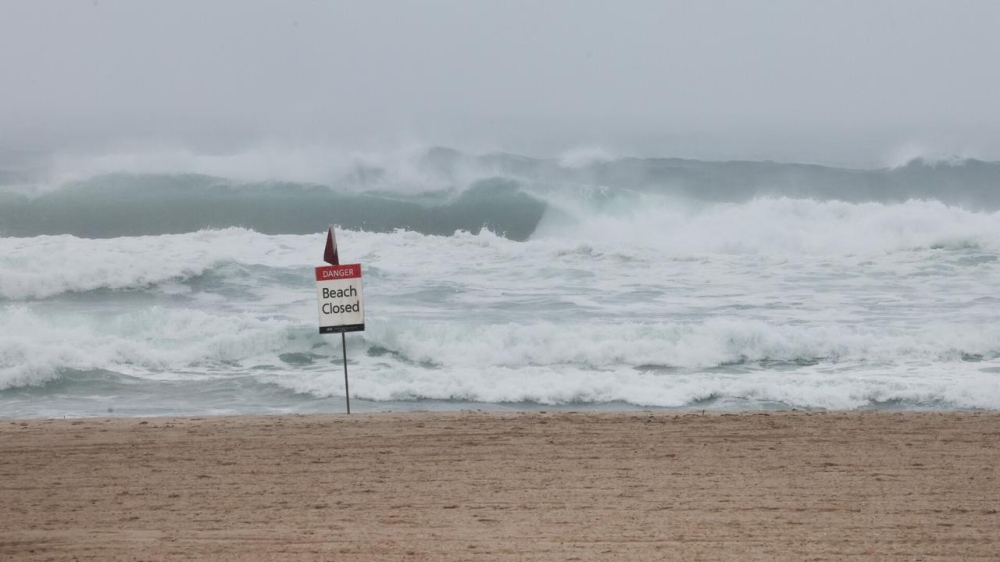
(183, 284)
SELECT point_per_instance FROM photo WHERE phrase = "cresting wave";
(47, 266)
(701, 345)
(127, 205)
(953, 388)
(661, 364)
(646, 230)
(437, 191)
(502, 279)
(774, 226)
(36, 348)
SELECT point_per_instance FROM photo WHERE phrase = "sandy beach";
(476, 486)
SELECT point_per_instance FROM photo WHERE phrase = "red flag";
(330, 255)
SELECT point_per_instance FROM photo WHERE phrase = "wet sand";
(471, 486)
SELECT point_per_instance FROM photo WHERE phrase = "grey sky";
(747, 78)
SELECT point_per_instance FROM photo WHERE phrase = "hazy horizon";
(853, 83)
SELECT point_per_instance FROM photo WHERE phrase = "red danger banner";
(334, 272)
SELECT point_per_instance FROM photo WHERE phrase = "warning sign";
(341, 303)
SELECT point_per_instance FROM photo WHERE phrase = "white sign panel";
(341, 303)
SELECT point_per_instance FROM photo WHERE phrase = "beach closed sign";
(341, 302)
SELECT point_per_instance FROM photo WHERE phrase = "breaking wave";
(587, 279)
(711, 343)
(641, 231)
(658, 364)
(36, 348)
(436, 191)
(127, 205)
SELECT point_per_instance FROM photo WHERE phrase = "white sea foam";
(692, 345)
(637, 299)
(35, 348)
(646, 232)
(772, 225)
(44, 266)
(657, 364)
(956, 386)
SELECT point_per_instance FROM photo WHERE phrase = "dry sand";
(469, 486)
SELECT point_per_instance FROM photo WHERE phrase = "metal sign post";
(341, 300)
(347, 390)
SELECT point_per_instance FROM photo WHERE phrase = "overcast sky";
(759, 79)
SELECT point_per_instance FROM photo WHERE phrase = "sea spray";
(501, 281)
